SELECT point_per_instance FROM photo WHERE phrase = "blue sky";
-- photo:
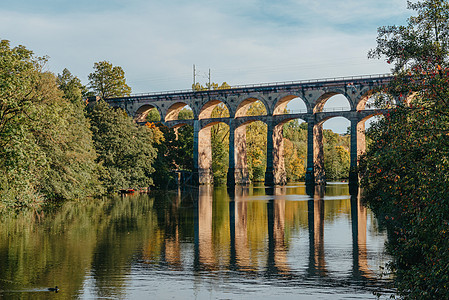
(241, 41)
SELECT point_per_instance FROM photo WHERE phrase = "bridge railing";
(270, 84)
(326, 109)
(321, 80)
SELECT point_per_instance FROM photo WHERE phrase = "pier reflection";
(197, 241)
(249, 230)
(361, 269)
(317, 262)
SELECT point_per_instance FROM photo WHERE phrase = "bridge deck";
(286, 85)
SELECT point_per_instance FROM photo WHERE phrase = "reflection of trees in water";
(242, 231)
(62, 245)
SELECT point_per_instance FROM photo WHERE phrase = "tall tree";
(46, 149)
(108, 81)
(405, 171)
(19, 74)
(124, 149)
(72, 87)
(220, 145)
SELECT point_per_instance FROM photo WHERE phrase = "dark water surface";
(209, 243)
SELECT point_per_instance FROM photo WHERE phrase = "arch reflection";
(249, 230)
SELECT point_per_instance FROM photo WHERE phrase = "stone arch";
(281, 104)
(209, 106)
(246, 102)
(142, 112)
(174, 109)
(365, 98)
(321, 101)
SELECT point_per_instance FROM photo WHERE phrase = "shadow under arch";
(210, 108)
(174, 110)
(247, 105)
(143, 111)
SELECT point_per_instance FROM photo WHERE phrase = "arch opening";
(147, 113)
(290, 105)
(251, 107)
(295, 149)
(213, 153)
(336, 148)
(362, 128)
(220, 152)
(256, 148)
(214, 109)
(179, 111)
(376, 101)
(333, 102)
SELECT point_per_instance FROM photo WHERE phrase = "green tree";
(294, 163)
(63, 135)
(72, 87)
(213, 86)
(46, 150)
(220, 145)
(108, 81)
(295, 150)
(405, 171)
(256, 143)
(336, 155)
(124, 149)
(153, 115)
(19, 73)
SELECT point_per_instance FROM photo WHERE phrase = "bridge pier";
(202, 155)
(358, 146)
(315, 154)
(275, 173)
(238, 168)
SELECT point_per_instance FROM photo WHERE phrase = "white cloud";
(157, 42)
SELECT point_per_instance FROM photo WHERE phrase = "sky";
(240, 41)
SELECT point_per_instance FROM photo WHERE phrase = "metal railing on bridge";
(270, 84)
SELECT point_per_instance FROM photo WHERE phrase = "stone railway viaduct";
(275, 97)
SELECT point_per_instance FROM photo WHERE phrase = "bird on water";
(55, 289)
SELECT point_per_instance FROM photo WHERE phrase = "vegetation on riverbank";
(55, 146)
(405, 171)
(52, 148)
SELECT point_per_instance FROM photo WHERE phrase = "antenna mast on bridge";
(194, 74)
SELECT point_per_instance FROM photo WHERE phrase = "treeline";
(57, 146)
(405, 171)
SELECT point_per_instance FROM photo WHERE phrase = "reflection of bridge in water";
(252, 246)
(275, 97)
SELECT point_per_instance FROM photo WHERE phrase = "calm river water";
(209, 243)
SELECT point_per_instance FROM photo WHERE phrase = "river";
(207, 243)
